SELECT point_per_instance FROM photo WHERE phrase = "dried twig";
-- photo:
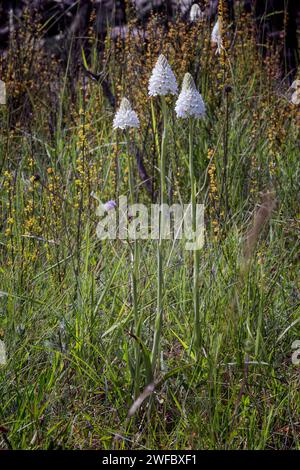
(139, 401)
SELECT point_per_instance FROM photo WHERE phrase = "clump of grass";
(66, 316)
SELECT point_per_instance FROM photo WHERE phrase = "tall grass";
(66, 311)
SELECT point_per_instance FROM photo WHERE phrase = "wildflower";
(109, 205)
(3, 358)
(2, 92)
(125, 116)
(295, 99)
(190, 102)
(196, 13)
(162, 81)
(295, 85)
(103, 207)
(216, 36)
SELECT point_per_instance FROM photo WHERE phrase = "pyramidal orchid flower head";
(2, 92)
(195, 13)
(189, 102)
(125, 116)
(216, 37)
(295, 85)
(295, 99)
(162, 81)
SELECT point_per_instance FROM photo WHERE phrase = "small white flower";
(196, 13)
(190, 102)
(295, 99)
(2, 92)
(295, 85)
(162, 81)
(125, 116)
(216, 37)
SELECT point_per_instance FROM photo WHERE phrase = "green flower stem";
(134, 278)
(160, 277)
(196, 250)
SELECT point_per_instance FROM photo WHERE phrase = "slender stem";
(259, 337)
(130, 170)
(196, 250)
(134, 278)
(160, 277)
(225, 156)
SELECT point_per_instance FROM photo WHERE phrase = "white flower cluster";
(2, 92)
(295, 99)
(190, 102)
(162, 81)
(196, 13)
(216, 37)
(125, 116)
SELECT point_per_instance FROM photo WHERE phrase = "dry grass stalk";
(260, 219)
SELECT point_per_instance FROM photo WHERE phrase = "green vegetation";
(67, 314)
